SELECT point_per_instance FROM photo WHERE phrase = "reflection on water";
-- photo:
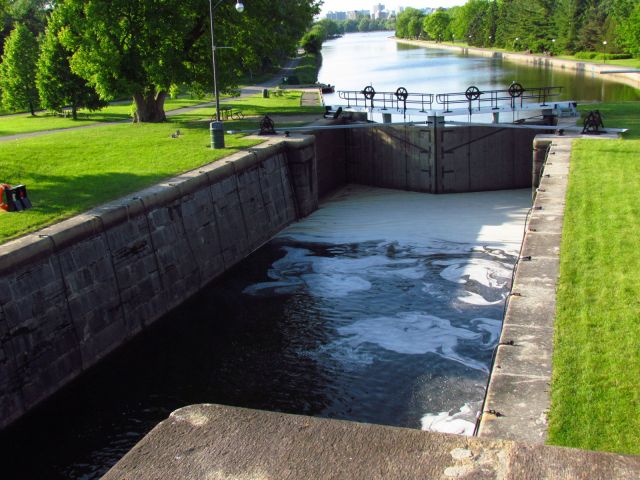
(383, 306)
(357, 60)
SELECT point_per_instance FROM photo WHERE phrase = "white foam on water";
(331, 276)
(359, 214)
(412, 333)
(459, 423)
(334, 285)
(489, 273)
(490, 325)
(475, 299)
(376, 235)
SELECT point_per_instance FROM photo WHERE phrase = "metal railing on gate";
(473, 98)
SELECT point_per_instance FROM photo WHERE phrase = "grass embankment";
(25, 123)
(596, 362)
(308, 68)
(70, 172)
(598, 57)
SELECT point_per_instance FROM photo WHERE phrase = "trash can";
(217, 134)
(265, 93)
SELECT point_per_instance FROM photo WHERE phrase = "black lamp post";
(216, 127)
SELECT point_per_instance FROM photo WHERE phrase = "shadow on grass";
(56, 198)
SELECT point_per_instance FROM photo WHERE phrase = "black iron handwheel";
(267, 126)
(516, 90)
(472, 93)
(369, 92)
(402, 94)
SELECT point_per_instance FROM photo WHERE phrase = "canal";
(383, 306)
(357, 60)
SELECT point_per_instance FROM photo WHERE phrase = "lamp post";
(604, 51)
(553, 46)
(216, 127)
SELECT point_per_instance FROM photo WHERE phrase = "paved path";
(244, 92)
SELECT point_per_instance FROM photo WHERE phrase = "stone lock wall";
(73, 292)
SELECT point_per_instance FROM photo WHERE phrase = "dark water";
(357, 60)
(382, 307)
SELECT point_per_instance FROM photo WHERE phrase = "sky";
(346, 5)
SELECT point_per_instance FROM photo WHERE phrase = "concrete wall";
(73, 292)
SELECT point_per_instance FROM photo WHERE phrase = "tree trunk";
(150, 107)
(74, 111)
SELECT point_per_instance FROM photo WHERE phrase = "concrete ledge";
(218, 442)
(518, 396)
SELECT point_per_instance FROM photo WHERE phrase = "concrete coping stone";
(535, 282)
(43, 242)
(221, 442)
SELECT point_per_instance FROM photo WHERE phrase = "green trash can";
(217, 134)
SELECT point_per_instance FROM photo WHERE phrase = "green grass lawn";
(625, 62)
(287, 103)
(24, 123)
(70, 172)
(596, 362)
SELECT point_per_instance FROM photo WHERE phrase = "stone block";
(522, 403)
(530, 354)
(534, 307)
(537, 272)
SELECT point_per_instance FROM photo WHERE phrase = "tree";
(18, 71)
(313, 39)
(141, 48)
(409, 23)
(436, 25)
(57, 85)
(364, 25)
(628, 30)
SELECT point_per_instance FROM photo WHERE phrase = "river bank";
(586, 68)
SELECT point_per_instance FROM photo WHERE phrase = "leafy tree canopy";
(58, 86)
(552, 26)
(18, 71)
(142, 48)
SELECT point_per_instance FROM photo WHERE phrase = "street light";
(216, 127)
(604, 51)
(553, 45)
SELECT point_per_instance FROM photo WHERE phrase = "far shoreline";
(595, 69)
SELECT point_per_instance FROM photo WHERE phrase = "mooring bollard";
(217, 134)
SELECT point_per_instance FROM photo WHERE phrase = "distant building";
(357, 14)
(426, 10)
(337, 16)
(378, 12)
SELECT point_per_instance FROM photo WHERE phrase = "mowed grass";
(71, 171)
(25, 123)
(596, 362)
